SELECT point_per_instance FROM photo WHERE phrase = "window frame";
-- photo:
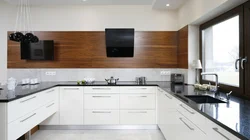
(223, 17)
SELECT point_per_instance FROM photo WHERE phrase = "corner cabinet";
(20, 116)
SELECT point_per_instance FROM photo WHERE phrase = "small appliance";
(112, 80)
(42, 50)
(141, 80)
(177, 78)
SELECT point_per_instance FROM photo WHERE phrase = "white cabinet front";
(101, 101)
(177, 127)
(102, 89)
(137, 117)
(71, 106)
(24, 124)
(138, 89)
(101, 117)
(137, 101)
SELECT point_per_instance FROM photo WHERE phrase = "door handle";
(186, 124)
(242, 62)
(168, 96)
(217, 130)
(236, 63)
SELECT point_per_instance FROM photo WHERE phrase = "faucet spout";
(216, 78)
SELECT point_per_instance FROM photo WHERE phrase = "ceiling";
(156, 4)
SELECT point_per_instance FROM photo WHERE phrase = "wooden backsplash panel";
(86, 49)
(183, 48)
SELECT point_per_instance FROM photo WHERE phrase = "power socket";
(50, 73)
(165, 73)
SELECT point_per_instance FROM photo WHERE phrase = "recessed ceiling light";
(167, 5)
(84, 0)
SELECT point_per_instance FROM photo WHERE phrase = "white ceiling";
(156, 4)
(174, 4)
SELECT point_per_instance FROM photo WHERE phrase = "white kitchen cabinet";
(52, 94)
(137, 101)
(101, 101)
(71, 106)
(216, 132)
(137, 117)
(102, 89)
(101, 117)
(23, 106)
(178, 127)
(138, 89)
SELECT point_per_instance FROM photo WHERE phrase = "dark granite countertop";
(233, 116)
(26, 90)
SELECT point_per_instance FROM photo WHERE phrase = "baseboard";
(98, 127)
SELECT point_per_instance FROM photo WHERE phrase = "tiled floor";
(98, 135)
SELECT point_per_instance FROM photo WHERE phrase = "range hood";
(120, 42)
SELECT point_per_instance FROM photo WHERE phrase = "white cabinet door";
(137, 101)
(102, 89)
(138, 89)
(177, 127)
(216, 132)
(71, 106)
(137, 117)
(101, 101)
(101, 117)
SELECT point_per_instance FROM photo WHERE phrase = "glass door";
(222, 50)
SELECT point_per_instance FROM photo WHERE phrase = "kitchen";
(162, 48)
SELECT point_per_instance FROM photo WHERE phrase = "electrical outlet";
(50, 73)
(165, 73)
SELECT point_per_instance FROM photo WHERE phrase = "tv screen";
(42, 50)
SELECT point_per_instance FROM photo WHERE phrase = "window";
(220, 50)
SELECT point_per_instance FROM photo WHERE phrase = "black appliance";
(177, 78)
(120, 42)
(42, 50)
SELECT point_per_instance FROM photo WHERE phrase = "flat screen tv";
(42, 50)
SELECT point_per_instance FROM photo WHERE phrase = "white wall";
(192, 10)
(199, 11)
(84, 18)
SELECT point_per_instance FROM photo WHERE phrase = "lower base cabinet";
(137, 117)
(101, 117)
(177, 127)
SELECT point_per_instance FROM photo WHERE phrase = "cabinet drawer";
(137, 117)
(101, 117)
(102, 89)
(138, 89)
(137, 101)
(48, 110)
(23, 125)
(216, 132)
(23, 106)
(49, 95)
(170, 101)
(101, 101)
(177, 127)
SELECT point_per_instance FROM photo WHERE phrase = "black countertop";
(26, 90)
(233, 115)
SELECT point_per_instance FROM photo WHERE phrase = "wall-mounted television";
(42, 50)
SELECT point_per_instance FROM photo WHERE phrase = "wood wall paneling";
(87, 49)
(182, 51)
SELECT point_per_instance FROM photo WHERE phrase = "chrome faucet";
(216, 82)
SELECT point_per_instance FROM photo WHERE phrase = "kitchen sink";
(203, 99)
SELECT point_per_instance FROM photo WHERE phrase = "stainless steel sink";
(203, 99)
